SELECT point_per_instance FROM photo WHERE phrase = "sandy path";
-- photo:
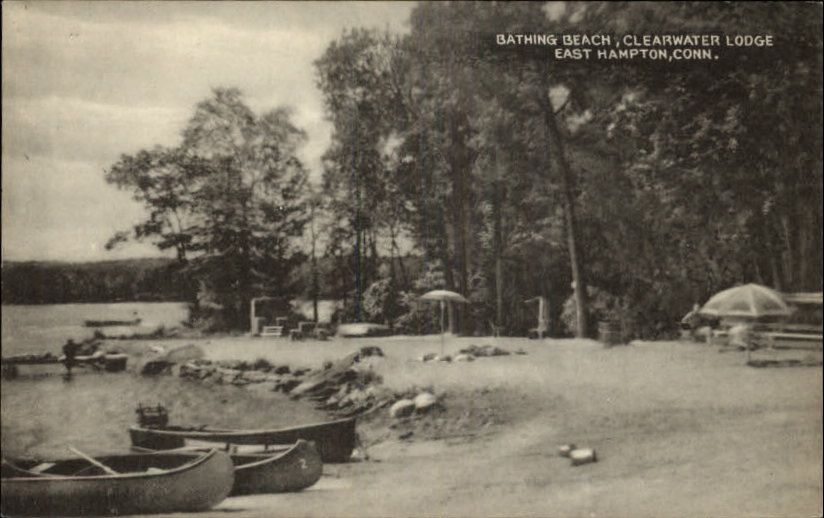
(680, 430)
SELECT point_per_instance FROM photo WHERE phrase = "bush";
(416, 317)
(602, 307)
(381, 302)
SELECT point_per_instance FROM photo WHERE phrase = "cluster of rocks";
(469, 354)
(230, 372)
(346, 387)
(422, 403)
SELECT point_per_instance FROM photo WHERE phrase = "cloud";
(60, 209)
(84, 82)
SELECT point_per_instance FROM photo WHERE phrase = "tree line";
(621, 190)
(149, 280)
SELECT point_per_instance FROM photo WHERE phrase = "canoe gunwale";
(265, 457)
(205, 433)
(51, 478)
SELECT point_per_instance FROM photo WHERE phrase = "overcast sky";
(85, 82)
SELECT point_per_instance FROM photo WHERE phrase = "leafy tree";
(233, 192)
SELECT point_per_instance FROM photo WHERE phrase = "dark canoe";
(146, 484)
(282, 470)
(334, 440)
(112, 323)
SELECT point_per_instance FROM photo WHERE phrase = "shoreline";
(657, 413)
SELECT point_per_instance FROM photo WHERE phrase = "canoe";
(281, 470)
(145, 484)
(111, 323)
(335, 440)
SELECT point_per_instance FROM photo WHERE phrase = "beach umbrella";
(747, 301)
(443, 296)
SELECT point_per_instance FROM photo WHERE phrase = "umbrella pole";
(443, 305)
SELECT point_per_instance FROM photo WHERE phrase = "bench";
(271, 331)
(782, 340)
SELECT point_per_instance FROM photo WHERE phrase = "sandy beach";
(679, 429)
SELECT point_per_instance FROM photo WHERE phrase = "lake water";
(41, 415)
(45, 328)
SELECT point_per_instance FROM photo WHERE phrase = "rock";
(255, 376)
(358, 397)
(565, 449)
(406, 435)
(155, 367)
(370, 350)
(402, 408)
(425, 401)
(464, 358)
(189, 370)
(287, 385)
(582, 456)
(428, 357)
(446, 358)
(282, 369)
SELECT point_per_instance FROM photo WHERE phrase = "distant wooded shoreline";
(127, 280)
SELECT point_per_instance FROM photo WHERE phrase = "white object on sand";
(565, 449)
(582, 456)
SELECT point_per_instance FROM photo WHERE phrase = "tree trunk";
(448, 274)
(497, 243)
(576, 259)
(315, 281)
(401, 266)
(459, 165)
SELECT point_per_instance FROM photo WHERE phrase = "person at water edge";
(70, 351)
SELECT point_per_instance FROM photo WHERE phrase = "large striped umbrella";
(747, 301)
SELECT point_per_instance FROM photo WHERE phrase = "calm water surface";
(45, 328)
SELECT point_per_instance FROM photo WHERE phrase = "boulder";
(282, 369)
(428, 357)
(370, 350)
(402, 408)
(464, 358)
(155, 367)
(582, 456)
(287, 385)
(255, 376)
(425, 401)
